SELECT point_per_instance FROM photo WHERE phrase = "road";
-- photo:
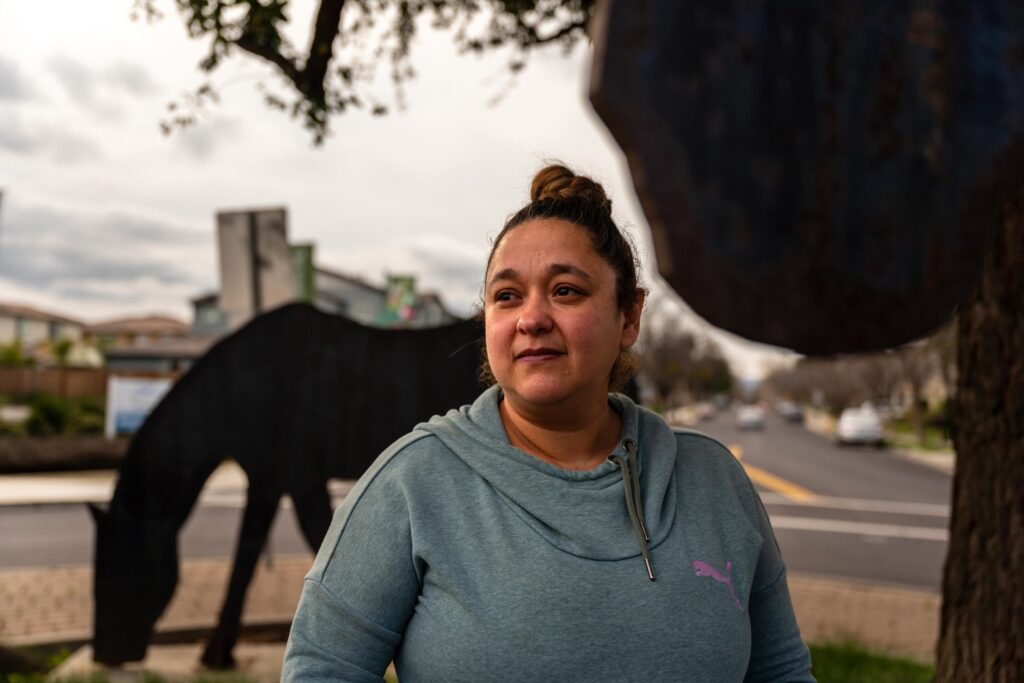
(849, 512)
(856, 512)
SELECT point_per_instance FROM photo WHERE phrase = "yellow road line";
(785, 487)
(769, 481)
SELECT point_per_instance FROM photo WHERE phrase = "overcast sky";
(103, 216)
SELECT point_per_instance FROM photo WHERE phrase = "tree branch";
(287, 66)
(554, 37)
(321, 47)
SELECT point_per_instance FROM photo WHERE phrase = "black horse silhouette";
(296, 396)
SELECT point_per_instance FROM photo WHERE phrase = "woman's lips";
(538, 355)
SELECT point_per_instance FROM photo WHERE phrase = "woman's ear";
(631, 320)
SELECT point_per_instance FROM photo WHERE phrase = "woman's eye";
(504, 296)
(565, 290)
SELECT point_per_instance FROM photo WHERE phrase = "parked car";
(790, 411)
(859, 426)
(750, 417)
(705, 411)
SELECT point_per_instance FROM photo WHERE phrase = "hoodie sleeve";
(777, 652)
(361, 591)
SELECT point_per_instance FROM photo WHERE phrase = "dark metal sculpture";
(295, 397)
(817, 175)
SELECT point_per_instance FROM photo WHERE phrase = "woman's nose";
(534, 317)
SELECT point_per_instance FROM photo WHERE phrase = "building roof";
(435, 297)
(212, 295)
(154, 325)
(186, 347)
(30, 313)
(349, 278)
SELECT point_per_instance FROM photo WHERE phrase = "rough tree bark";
(982, 632)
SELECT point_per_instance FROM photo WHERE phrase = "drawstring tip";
(650, 569)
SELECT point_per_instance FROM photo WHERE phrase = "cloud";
(15, 138)
(101, 90)
(129, 77)
(113, 258)
(201, 141)
(77, 80)
(57, 143)
(13, 86)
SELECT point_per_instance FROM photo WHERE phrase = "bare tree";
(666, 358)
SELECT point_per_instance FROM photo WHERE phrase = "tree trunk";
(982, 632)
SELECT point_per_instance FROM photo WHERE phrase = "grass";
(44, 660)
(901, 434)
(833, 663)
(144, 678)
(852, 663)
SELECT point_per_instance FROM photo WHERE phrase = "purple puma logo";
(705, 569)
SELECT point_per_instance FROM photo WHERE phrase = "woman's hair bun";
(558, 182)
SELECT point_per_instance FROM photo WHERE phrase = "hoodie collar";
(582, 513)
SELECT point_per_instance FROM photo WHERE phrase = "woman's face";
(553, 326)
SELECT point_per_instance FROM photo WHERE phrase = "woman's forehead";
(548, 244)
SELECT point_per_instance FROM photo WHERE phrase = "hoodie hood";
(581, 513)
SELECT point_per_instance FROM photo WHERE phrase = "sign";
(130, 401)
(303, 272)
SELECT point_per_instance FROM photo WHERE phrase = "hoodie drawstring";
(634, 502)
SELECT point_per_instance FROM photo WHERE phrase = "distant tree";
(879, 374)
(12, 355)
(666, 358)
(917, 365)
(711, 374)
(943, 345)
(350, 38)
(62, 351)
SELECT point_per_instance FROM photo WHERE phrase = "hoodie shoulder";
(706, 456)
(701, 442)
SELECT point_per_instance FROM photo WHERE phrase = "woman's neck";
(580, 443)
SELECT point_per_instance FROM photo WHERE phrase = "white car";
(750, 417)
(859, 426)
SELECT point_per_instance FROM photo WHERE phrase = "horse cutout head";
(135, 573)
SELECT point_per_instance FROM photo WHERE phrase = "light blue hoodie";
(463, 558)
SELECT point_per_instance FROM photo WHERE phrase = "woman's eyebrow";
(562, 268)
(506, 274)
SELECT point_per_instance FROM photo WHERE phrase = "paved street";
(856, 512)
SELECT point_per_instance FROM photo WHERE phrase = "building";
(260, 270)
(170, 355)
(138, 331)
(30, 327)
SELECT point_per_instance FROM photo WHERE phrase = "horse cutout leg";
(312, 504)
(260, 509)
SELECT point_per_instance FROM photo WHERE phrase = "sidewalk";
(55, 605)
(97, 486)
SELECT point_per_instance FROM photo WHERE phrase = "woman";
(551, 530)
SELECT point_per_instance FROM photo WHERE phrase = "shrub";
(50, 415)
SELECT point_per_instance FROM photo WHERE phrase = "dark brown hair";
(556, 192)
